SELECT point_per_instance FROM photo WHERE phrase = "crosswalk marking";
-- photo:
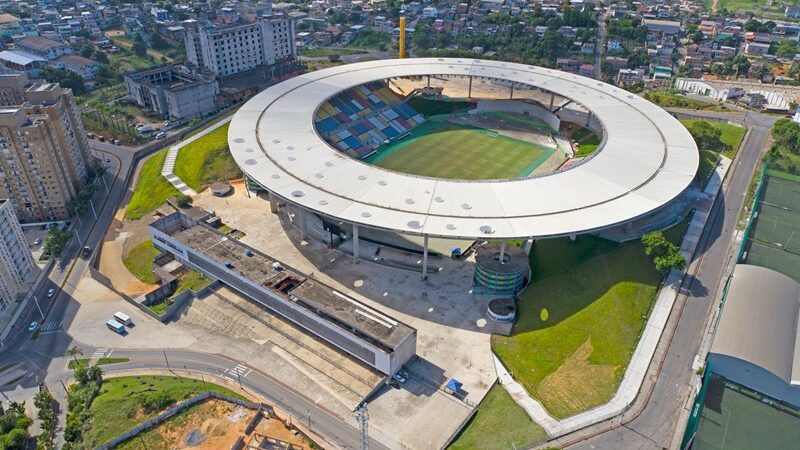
(100, 353)
(51, 327)
(239, 371)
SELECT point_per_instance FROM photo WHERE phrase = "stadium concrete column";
(527, 246)
(511, 95)
(355, 243)
(552, 100)
(273, 202)
(303, 224)
(502, 251)
(425, 257)
(469, 93)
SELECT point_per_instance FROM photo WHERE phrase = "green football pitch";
(734, 421)
(448, 150)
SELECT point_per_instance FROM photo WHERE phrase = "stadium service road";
(646, 159)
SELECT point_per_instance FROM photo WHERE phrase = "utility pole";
(362, 415)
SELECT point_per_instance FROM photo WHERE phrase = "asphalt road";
(60, 310)
(187, 363)
(655, 426)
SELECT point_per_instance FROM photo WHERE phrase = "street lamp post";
(93, 211)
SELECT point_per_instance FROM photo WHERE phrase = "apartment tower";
(44, 152)
(16, 262)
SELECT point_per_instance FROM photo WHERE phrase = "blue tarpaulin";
(453, 385)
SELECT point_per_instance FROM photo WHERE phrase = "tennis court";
(774, 238)
(732, 421)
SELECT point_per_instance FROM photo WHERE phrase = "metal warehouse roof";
(647, 159)
(759, 321)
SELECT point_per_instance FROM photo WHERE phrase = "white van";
(123, 318)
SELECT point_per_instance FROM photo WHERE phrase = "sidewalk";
(635, 373)
(172, 156)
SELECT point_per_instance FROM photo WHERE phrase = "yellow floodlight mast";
(402, 37)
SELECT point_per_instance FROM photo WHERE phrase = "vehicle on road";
(161, 135)
(108, 160)
(399, 378)
(116, 326)
(50, 292)
(33, 326)
(87, 251)
(37, 241)
(123, 318)
(101, 138)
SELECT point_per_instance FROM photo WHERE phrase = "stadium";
(457, 151)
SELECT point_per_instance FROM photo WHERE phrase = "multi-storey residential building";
(44, 153)
(238, 47)
(16, 262)
(43, 47)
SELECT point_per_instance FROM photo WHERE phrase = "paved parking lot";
(453, 331)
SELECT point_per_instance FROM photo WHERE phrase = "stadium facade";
(645, 159)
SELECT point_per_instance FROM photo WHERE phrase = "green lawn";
(499, 424)
(708, 162)
(732, 135)
(119, 406)
(447, 150)
(151, 190)
(188, 280)
(207, 160)
(580, 320)
(140, 261)
(191, 280)
(669, 99)
(100, 362)
(759, 7)
(588, 142)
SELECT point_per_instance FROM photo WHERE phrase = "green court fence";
(696, 415)
(753, 211)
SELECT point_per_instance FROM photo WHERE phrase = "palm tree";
(73, 352)
(95, 374)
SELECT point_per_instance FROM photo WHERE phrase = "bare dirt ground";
(119, 239)
(217, 424)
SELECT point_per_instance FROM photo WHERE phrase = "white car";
(33, 326)
(50, 292)
(37, 241)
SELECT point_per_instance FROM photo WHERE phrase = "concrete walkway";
(172, 156)
(635, 373)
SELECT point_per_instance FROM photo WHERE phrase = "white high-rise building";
(241, 46)
(16, 262)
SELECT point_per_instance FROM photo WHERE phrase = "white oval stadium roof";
(647, 160)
